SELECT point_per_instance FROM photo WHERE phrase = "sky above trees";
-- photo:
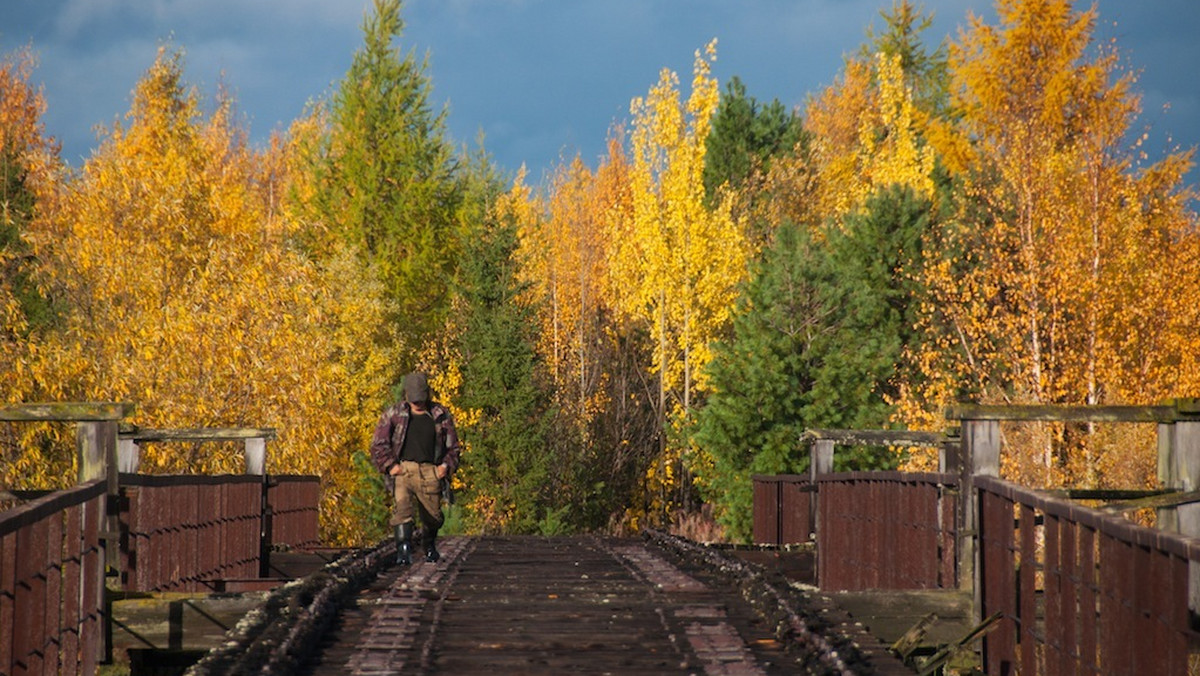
(538, 78)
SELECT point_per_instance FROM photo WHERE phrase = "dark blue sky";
(540, 78)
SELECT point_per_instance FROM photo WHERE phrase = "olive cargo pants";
(417, 482)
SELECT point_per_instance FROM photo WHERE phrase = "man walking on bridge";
(416, 448)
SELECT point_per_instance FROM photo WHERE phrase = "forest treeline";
(627, 342)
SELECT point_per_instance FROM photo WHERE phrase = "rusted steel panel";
(1088, 665)
(766, 510)
(1117, 617)
(930, 527)
(883, 531)
(221, 537)
(1174, 615)
(152, 563)
(795, 511)
(1069, 597)
(1141, 599)
(29, 599)
(827, 534)
(184, 573)
(1158, 605)
(91, 587)
(52, 628)
(260, 540)
(8, 588)
(71, 598)
(211, 521)
(996, 561)
(872, 514)
(948, 539)
(252, 543)
(1053, 592)
(887, 565)
(1027, 635)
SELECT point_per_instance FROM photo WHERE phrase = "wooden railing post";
(820, 464)
(1179, 468)
(980, 457)
(256, 456)
(129, 456)
(256, 464)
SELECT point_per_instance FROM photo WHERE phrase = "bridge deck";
(586, 605)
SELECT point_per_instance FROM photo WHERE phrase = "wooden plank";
(889, 615)
(188, 621)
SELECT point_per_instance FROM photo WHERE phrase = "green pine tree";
(874, 258)
(752, 421)
(745, 136)
(507, 461)
(387, 178)
(926, 71)
(818, 335)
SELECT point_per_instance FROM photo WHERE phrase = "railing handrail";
(1111, 525)
(39, 508)
(937, 478)
(158, 480)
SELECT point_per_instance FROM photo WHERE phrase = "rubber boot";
(404, 534)
(429, 540)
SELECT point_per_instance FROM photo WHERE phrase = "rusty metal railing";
(180, 532)
(52, 583)
(886, 530)
(292, 501)
(783, 512)
(1080, 591)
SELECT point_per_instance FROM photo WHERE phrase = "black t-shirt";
(419, 439)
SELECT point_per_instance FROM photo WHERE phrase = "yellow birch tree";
(1033, 297)
(675, 265)
(184, 295)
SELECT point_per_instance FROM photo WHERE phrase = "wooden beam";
(66, 412)
(1157, 501)
(1053, 413)
(199, 434)
(878, 437)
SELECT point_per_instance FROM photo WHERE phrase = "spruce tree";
(745, 136)
(508, 470)
(386, 179)
(753, 419)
